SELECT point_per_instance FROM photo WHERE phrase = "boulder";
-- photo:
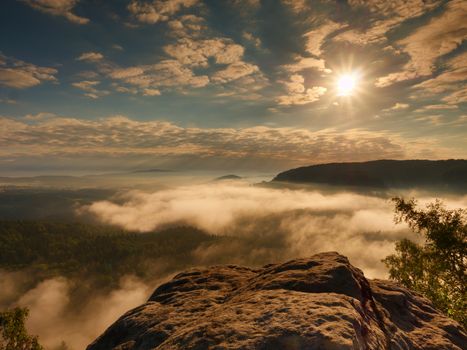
(322, 302)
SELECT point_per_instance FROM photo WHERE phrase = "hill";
(228, 178)
(318, 303)
(449, 174)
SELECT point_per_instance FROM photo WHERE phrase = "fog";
(267, 225)
(54, 317)
(274, 223)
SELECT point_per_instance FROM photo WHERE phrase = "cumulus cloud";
(297, 94)
(155, 140)
(164, 74)
(302, 63)
(177, 72)
(315, 38)
(89, 86)
(234, 71)
(90, 56)
(18, 74)
(61, 8)
(197, 52)
(385, 15)
(157, 10)
(440, 36)
(190, 26)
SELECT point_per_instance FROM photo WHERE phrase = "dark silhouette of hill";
(449, 174)
(228, 177)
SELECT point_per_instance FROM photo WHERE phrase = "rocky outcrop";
(318, 303)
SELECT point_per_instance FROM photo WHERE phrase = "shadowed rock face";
(318, 303)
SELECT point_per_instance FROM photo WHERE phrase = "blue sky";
(244, 84)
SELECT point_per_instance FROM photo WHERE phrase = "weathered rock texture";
(318, 303)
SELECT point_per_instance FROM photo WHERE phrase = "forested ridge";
(103, 253)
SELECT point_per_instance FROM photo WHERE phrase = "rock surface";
(318, 303)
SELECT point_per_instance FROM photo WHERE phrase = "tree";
(13, 334)
(437, 267)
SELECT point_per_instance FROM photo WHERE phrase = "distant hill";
(450, 173)
(228, 177)
(151, 171)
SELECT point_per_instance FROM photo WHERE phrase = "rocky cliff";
(318, 303)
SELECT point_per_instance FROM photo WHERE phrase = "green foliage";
(13, 331)
(436, 268)
(102, 254)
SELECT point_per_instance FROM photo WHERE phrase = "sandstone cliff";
(318, 303)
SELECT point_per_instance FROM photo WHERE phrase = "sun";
(346, 84)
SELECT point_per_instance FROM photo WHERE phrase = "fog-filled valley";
(80, 256)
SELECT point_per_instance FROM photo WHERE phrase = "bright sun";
(346, 84)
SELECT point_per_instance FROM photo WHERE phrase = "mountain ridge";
(384, 173)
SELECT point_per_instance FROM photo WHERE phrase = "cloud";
(117, 47)
(234, 71)
(157, 141)
(440, 36)
(151, 12)
(61, 8)
(197, 52)
(297, 94)
(456, 97)
(451, 80)
(431, 119)
(186, 55)
(397, 106)
(18, 74)
(89, 86)
(296, 5)
(151, 92)
(90, 57)
(436, 107)
(315, 38)
(164, 74)
(302, 63)
(384, 16)
(252, 39)
(190, 26)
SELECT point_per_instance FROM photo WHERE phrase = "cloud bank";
(273, 224)
(158, 141)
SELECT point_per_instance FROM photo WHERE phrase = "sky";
(234, 85)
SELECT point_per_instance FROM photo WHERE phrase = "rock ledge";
(322, 302)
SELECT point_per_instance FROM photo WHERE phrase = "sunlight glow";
(346, 84)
